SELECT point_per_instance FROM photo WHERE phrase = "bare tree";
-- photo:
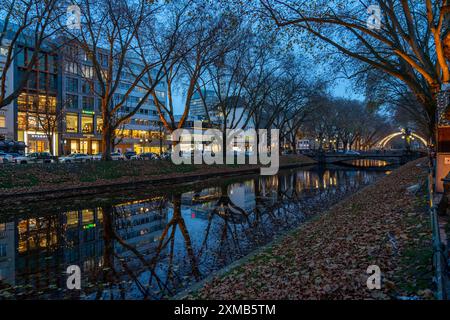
(205, 29)
(410, 45)
(25, 23)
(112, 40)
(50, 120)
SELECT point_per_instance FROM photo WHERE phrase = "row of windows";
(40, 81)
(87, 124)
(45, 61)
(72, 86)
(82, 70)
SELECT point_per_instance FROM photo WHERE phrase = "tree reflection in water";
(153, 248)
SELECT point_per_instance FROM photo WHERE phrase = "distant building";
(62, 88)
(143, 132)
(7, 113)
(304, 145)
(197, 108)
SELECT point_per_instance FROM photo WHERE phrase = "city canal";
(154, 244)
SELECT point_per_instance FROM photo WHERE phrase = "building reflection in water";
(153, 247)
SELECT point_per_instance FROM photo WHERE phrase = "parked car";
(166, 156)
(15, 155)
(352, 153)
(148, 156)
(35, 157)
(115, 156)
(6, 158)
(76, 157)
(130, 154)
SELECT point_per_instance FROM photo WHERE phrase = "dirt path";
(327, 258)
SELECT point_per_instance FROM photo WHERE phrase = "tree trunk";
(50, 144)
(224, 145)
(106, 144)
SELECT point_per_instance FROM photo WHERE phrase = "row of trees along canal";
(403, 62)
(191, 44)
(242, 58)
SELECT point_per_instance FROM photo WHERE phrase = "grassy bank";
(30, 178)
(327, 258)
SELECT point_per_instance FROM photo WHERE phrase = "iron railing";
(440, 261)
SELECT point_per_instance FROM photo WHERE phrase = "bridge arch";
(389, 138)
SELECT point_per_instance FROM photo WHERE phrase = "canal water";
(152, 244)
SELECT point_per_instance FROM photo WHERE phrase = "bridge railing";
(440, 262)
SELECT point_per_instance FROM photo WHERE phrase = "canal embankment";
(384, 225)
(55, 181)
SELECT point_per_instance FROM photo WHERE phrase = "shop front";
(39, 142)
(84, 144)
(153, 147)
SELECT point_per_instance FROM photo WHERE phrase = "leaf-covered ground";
(328, 257)
(28, 178)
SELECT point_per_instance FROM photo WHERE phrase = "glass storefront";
(95, 147)
(72, 123)
(74, 146)
(139, 148)
(38, 146)
(86, 146)
(99, 125)
(87, 123)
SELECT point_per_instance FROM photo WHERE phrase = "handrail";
(439, 252)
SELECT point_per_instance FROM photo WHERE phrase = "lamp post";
(408, 137)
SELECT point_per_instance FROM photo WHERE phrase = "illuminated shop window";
(72, 123)
(87, 123)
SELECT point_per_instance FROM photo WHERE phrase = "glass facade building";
(59, 110)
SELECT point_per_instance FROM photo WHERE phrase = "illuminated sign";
(89, 226)
(88, 112)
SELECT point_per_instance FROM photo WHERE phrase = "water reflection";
(153, 248)
(368, 163)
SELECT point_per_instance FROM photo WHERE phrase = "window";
(88, 216)
(72, 101)
(42, 62)
(71, 67)
(88, 103)
(103, 59)
(86, 87)
(2, 121)
(72, 85)
(2, 227)
(2, 250)
(53, 82)
(52, 63)
(87, 71)
(87, 124)
(72, 218)
(99, 125)
(72, 123)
